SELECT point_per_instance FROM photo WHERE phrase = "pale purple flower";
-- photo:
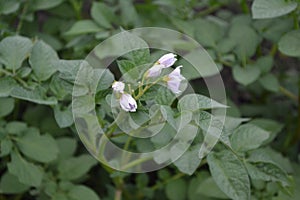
(118, 86)
(128, 103)
(174, 79)
(167, 60)
(154, 71)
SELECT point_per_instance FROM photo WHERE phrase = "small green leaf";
(16, 127)
(37, 95)
(246, 40)
(7, 85)
(83, 27)
(189, 161)
(246, 75)
(102, 14)
(10, 184)
(66, 146)
(44, 4)
(40, 148)
(14, 50)
(262, 9)
(27, 172)
(43, 60)
(265, 64)
(267, 172)
(128, 70)
(248, 137)
(194, 102)
(80, 192)
(289, 44)
(207, 33)
(6, 146)
(176, 190)
(129, 15)
(64, 118)
(230, 174)
(270, 82)
(7, 106)
(74, 168)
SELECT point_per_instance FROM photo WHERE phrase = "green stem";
(136, 162)
(296, 23)
(20, 23)
(175, 177)
(244, 6)
(273, 50)
(288, 94)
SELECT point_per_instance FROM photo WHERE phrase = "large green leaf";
(10, 184)
(272, 8)
(209, 188)
(247, 137)
(27, 173)
(176, 190)
(194, 102)
(229, 174)
(37, 95)
(44, 4)
(43, 60)
(74, 168)
(40, 148)
(7, 7)
(289, 44)
(80, 192)
(14, 50)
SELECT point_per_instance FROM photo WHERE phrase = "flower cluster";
(173, 80)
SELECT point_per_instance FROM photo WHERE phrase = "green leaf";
(246, 40)
(248, 137)
(83, 27)
(14, 50)
(194, 102)
(246, 75)
(7, 106)
(289, 44)
(106, 78)
(7, 85)
(43, 60)
(176, 190)
(265, 64)
(16, 127)
(273, 127)
(8, 7)
(102, 14)
(207, 33)
(270, 82)
(74, 168)
(267, 171)
(80, 192)
(44, 4)
(189, 161)
(6, 146)
(64, 118)
(10, 184)
(60, 87)
(262, 9)
(27, 172)
(66, 146)
(209, 188)
(37, 95)
(128, 70)
(40, 148)
(230, 174)
(129, 15)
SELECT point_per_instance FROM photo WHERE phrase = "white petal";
(118, 86)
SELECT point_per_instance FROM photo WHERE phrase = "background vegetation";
(256, 45)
